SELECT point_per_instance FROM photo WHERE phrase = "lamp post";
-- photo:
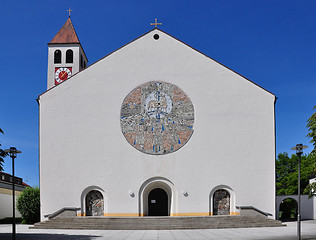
(299, 151)
(13, 153)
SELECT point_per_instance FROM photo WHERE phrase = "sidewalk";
(284, 233)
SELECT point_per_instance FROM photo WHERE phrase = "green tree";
(3, 154)
(28, 204)
(286, 173)
(311, 125)
(311, 189)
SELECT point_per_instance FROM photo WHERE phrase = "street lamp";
(13, 153)
(299, 151)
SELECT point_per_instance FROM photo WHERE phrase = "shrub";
(28, 204)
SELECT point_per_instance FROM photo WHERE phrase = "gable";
(162, 53)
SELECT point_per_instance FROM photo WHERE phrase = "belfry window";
(57, 56)
(69, 56)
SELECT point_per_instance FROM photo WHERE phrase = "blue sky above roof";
(270, 42)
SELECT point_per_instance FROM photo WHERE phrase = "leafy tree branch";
(3, 154)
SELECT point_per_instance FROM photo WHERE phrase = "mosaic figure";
(221, 204)
(157, 118)
(94, 203)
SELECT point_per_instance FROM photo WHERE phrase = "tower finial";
(69, 12)
(155, 23)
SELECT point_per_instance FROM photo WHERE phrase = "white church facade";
(155, 128)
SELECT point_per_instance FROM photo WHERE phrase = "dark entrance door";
(158, 203)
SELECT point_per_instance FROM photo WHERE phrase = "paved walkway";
(282, 233)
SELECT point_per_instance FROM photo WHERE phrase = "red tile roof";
(7, 178)
(66, 34)
(26, 185)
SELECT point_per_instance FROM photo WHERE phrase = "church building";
(155, 128)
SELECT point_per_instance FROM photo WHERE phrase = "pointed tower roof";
(66, 34)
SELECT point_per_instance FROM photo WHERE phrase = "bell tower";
(65, 55)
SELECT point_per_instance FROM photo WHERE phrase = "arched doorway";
(288, 210)
(221, 202)
(94, 203)
(157, 182)
(158, 202)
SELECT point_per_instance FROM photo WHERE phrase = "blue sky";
(271, 42)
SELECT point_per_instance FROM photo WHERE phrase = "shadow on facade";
(43, 236)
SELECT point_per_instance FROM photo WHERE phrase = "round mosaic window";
(157, 118)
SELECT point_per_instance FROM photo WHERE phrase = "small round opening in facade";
(156, 36)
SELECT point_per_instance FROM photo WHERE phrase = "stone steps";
(157, 223)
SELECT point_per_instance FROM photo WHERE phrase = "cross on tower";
(69, 11)
(155, 23)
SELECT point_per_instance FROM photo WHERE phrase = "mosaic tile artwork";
(221, 202)
(94, 203)
(157, 118)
